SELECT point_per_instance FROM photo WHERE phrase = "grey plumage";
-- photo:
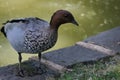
(30, 35)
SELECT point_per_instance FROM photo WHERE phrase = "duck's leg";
(39, 57)
(20, 72)
(40, 68)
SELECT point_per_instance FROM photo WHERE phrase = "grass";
(104, 69)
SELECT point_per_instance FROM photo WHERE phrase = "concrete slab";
(73, 55)
(109, 39)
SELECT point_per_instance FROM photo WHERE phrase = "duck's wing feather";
(24, 23)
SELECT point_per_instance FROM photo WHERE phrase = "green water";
(93, 16)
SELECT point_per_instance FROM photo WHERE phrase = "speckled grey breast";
(38, 41)
(30, 35)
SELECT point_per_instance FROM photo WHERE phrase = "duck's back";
(26, 23)
(25, 34)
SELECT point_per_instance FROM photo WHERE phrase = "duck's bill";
(75, 22)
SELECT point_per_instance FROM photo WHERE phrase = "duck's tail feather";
(3, 31)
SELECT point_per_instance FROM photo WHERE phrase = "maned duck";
(34, 35)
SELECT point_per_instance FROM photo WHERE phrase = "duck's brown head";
(62, 17)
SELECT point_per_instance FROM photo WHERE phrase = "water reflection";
(93, 16)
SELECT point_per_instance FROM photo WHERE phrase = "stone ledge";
(92, 46)
(73, 55)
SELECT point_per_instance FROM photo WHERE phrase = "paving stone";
(73, 55)
(109, 39)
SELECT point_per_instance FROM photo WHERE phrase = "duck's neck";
(54, 24)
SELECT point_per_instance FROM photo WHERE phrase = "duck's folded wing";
(24, 23)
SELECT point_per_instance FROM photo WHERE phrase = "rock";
(30, 72)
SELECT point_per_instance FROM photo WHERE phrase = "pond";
(93, 16)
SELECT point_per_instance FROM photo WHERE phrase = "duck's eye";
(65, 15)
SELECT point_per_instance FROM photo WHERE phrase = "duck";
(34, 35)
